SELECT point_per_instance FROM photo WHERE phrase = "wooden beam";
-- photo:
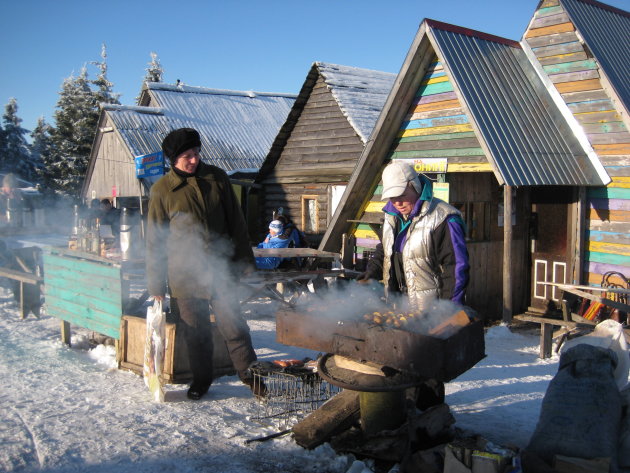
(507, 254)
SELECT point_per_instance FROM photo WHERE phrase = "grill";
(423, 356)
(292, 393)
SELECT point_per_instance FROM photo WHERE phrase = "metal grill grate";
(292, 394)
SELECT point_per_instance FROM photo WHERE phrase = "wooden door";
(550, 255)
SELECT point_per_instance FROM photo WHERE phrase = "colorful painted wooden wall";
(435, 127)
(578, 78)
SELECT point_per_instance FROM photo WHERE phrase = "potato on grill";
(391, 318)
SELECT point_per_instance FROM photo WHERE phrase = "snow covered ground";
(69, 409)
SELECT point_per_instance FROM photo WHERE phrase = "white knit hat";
(276, 226)
(396, 176)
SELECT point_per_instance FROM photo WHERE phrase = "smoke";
(350, 301)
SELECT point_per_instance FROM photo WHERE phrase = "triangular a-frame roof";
(522, 133)
(359, 93)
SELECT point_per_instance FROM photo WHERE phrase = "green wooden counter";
(84, 290)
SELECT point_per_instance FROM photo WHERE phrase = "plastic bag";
(581, 412)
(154, 349)
(608, 334)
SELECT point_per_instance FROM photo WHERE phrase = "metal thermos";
(125, 234)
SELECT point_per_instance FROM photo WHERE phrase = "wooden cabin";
(583, 48)
(237, 129)
(469, 111)
(317, 148)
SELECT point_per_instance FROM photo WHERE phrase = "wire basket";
(292, 393)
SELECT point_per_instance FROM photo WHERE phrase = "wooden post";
(65, 332)
(507, 254)
(546, 340)
(22, 313)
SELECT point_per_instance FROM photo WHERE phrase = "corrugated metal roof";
(141, 128)
(360, 93)
(606, 31)
(528, 140)
(237, 128)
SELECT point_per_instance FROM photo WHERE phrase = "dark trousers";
(194, 320)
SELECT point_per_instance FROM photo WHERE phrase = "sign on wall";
(427, 165)
(150, 165)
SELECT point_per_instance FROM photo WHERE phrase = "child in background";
(274, 239)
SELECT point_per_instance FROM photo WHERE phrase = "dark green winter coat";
(196, 235)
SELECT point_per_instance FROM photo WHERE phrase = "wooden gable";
(578, 77)
(322, 142)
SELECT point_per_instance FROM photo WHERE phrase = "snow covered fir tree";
(54, 156)
(154, 72)
(76, 118)
(15, 152)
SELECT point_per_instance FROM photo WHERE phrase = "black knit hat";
(179, 141)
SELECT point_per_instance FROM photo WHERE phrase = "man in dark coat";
(197, 243)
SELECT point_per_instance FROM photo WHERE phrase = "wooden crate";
(176, 367)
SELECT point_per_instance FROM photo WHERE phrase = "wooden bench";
(23, 278)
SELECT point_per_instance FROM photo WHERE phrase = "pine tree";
(154, 72)
(76, 118)
(104, 93)
(16, 156)
(42, 150)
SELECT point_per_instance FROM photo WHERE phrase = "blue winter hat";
(276, 226)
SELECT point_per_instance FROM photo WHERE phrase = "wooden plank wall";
(437, 127)
(83, 292)
(322, 144)
(113, 166)
(576, 75)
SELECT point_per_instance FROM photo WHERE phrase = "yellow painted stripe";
(435, 130)
(442, 105)
(469, 167)
(375, 206)
(594, 278)
(612, 149)
(610, 216)
(553, 29)
(622, 181)
(612, 248)
(578, 86)
(358, 233)
(434, 80)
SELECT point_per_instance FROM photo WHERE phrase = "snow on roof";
(237, 128)
(206, 90)
(360, 93)
(132, 108)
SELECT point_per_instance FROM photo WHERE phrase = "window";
(310, 214)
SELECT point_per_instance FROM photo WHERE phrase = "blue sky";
(245, 45)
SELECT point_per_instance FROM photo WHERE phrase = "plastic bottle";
(125, 234)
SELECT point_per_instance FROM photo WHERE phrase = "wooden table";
(86, 290)
(314, 255)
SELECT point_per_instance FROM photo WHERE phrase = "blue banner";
(150, 165)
